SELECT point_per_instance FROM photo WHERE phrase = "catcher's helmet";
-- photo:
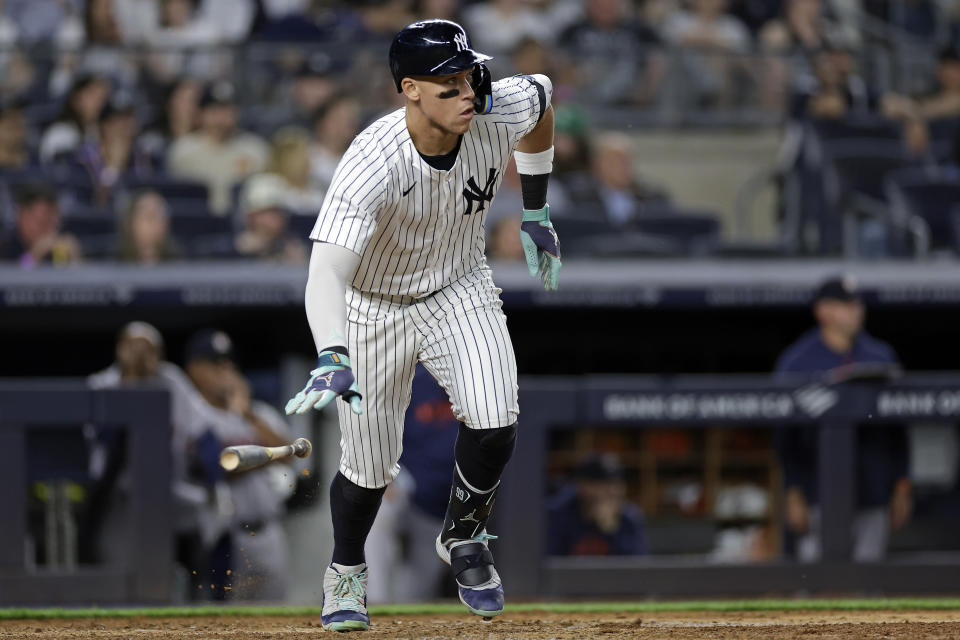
(438, 48)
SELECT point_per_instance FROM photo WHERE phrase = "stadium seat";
(578, 234)
(860, 166)
(692, 232)
(203, 235)
(943, 135)
(169, 188)
(856, 128)
(94, 228)
(853, 178)
(917, 197)
(301, 225)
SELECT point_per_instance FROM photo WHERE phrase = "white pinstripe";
(422, 290)
(459, 334)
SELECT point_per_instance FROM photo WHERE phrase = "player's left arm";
(534, 158)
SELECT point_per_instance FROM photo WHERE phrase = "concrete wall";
(705, 169)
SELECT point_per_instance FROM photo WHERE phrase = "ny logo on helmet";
(461, 41)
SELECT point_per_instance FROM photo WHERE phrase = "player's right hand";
(332, 377)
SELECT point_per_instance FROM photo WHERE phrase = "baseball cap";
(143, 330)
(263, 191)
(600, 466)
(218, 93)
(842, 288)
(209, 344)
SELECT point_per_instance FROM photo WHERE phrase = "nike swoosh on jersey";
(410, 189)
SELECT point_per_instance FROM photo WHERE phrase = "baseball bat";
(250, 456)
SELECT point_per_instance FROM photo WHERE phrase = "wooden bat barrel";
(250, 456)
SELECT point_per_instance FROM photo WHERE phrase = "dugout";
(623, 318)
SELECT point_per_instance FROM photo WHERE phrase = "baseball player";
(398, 275)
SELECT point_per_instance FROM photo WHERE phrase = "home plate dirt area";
(772, 624)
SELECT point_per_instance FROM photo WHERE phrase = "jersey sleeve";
(348, 216)
(520, 101)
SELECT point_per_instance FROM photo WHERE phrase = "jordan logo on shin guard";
(468, 510)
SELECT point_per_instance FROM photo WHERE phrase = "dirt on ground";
(768, 625)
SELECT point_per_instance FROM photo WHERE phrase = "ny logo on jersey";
(461, 41)
(473, 193)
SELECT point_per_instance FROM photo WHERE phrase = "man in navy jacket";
(828, 353)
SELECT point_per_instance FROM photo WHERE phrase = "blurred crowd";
(152, 130)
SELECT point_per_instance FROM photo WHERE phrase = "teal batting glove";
(541, 247)
(332, 377)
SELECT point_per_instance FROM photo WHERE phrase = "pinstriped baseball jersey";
(423, 290)
(415, 227)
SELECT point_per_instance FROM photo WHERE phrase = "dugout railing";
(836, 410)
(40, 436)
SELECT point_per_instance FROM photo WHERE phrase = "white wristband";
(534, 164)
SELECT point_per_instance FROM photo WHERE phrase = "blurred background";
(742, 189)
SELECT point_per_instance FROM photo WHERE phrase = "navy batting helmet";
(439, 48)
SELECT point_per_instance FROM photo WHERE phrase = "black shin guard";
(353, 510)
(467, 510)
(481, 456)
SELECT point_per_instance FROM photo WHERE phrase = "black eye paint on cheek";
(452, 93)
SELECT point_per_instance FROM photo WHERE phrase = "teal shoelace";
(349, 591)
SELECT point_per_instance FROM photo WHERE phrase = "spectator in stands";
(184, 40)
(218, 154)
(259, 548)
(290, 159)
(617, 191)
(314, 85)
(36, 20)
(532, 56)
(18, 73)
(941, 105)
(179, 117)
(265, 212)
(791, 41)
(498, 26)
(202, 505)
(381, 19)
(608, 56)
(802, 28)
(114, 153)
(103, 51)
(571, 144)
(834, 351)
(711, 39)
(593, 517)
(437, 9)
(78, 121)
(334, 127)
(234, 18)
(145, 231)
(14, 153)
(837, 91)
(100, 23)
(37, 238)
(558, 15)
(503, 240)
